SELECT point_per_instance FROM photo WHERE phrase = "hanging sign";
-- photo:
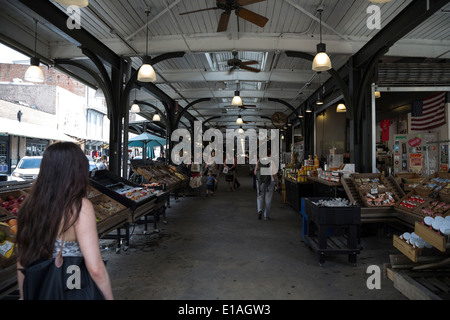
(415, 162)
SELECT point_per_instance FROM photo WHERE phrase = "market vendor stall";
(139, 199)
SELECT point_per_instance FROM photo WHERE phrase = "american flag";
(428, 113)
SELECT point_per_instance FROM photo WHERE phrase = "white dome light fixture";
(341, 108)
(321, 61)
(156, 117)
(135, 107)
(146, 72)
(34, 72)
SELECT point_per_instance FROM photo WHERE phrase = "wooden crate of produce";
(405, 248)
(109, 213)
(7, 236)
(436, 182)
(431, 236)
(10, 201)
(375, 190)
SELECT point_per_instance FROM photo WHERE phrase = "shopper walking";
(57, 216)
(229, 174)
(265, 186)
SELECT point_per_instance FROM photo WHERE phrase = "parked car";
(27, 169)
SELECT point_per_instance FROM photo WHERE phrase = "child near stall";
(210, 182)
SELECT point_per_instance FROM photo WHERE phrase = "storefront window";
(35, 147)
(3, 157)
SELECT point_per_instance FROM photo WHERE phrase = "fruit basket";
(7, 240)
(10, 201)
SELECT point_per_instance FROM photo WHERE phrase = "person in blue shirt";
(210, 182)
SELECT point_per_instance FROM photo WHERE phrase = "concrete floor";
(215, 249)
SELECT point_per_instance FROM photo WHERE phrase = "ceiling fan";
(235, 63)
(243, 107)
(237, 5)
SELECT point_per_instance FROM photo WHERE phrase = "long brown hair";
(54, 202)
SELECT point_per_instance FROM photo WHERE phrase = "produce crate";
(431, 236)
(4, 196)
(5, 262)
(407, 249)
(363, 187)
(416, 211)
(109, 213)
(428, 186)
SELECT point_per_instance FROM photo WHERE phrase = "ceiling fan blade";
(249, 68)
(223, 22)
(247, 2)
(206, 9)
(231, 70)
(252, 17)
(246, 63)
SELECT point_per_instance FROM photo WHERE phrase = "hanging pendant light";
(34, 72)
(341, 108)
(319, 101)
(146, 72)
(239, 120)
(308, 109)
(78, 3)
(237, 100)
(240, 130)
(156, 117)
(135, 107)
(321, 61)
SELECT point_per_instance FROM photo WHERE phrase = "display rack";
(321, 220)
(430, 198)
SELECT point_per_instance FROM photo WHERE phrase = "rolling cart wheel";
(352, 259)
(321, 259)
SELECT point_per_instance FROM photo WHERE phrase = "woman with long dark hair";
(56, 210)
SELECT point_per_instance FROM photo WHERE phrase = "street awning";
(31, 130)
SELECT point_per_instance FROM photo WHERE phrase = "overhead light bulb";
(34, 72)
(78, 3)
(239, 120)
(308, 109)
(240, 130)
(341, 108)
(135, 107)
(319, 101)
(321, 61)
(146, 72)
(237, 100)
(377, 94)
(156, 117)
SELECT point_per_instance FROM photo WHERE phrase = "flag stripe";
(432, 114)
